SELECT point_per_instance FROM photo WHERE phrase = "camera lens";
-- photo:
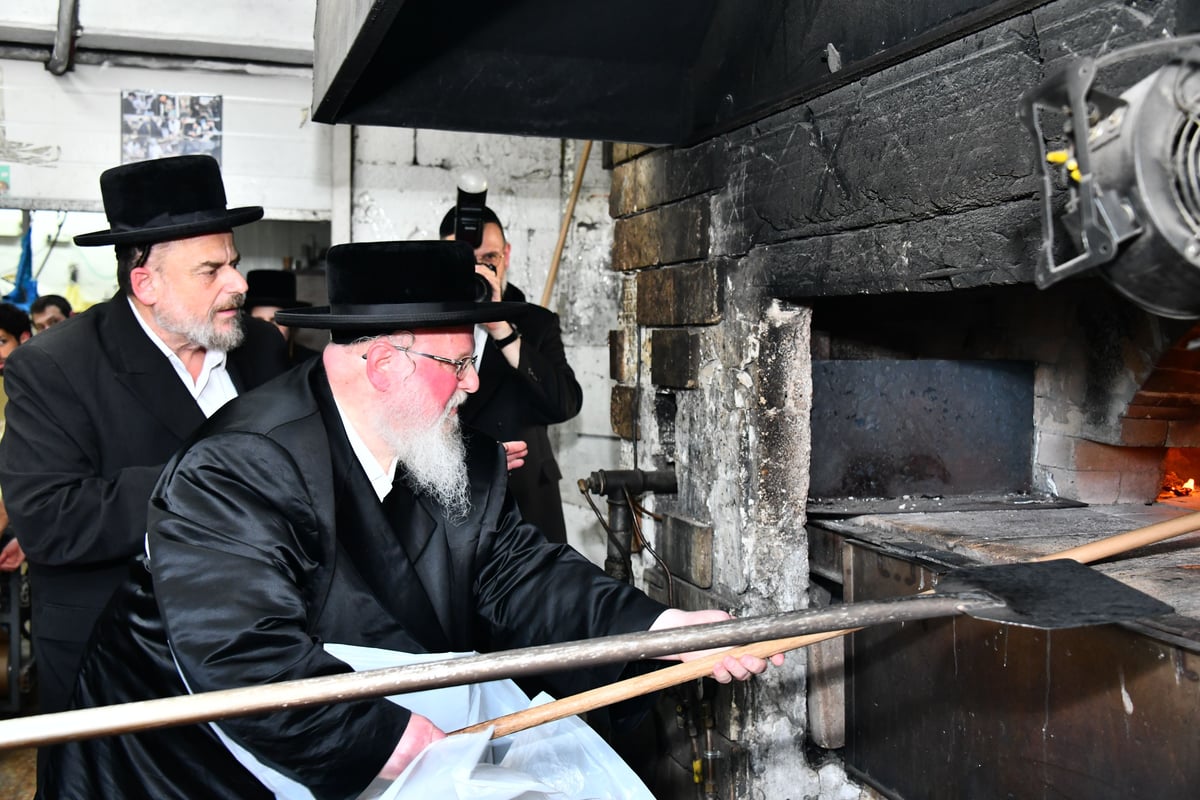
(483, 289)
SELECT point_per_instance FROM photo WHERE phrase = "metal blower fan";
(1131, 170)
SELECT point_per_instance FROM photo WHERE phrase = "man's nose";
(469, 380)
(235, 282)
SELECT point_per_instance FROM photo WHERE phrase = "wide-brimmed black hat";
(163, 199)
(271, 287)
(380, 287)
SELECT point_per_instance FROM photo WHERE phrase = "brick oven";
(830, 332)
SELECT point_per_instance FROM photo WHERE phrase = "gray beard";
(202, 333)
(435, 460)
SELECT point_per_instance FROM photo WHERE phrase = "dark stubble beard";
(433, 455)
(203, 332)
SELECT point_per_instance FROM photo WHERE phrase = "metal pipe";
(618, 563)
(618, 486)
(636, 481)
(711, 753)
(64, 37)
(44, 729)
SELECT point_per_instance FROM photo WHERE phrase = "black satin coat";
(266, 539)
(518, 404)
(94, 411)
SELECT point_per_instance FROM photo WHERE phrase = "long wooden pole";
(342, 687)
(148, 714)
(566, 223)
(692, 670)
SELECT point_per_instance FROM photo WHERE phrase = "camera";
(468, 210)
(468, 222)
(483, 289)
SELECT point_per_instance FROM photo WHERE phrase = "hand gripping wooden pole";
(701, 667)
(163, 712)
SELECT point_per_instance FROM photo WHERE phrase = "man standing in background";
(48, 310)
(271, 290)
(525, 383)
(14, 331)
(97, 404)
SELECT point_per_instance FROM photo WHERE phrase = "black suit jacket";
(94, 411)
(519, 403)
(266, 540)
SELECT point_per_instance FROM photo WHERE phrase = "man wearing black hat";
(98, 403)
(338, 504)
(525, 382)
(271, 290)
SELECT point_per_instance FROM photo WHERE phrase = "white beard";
(434, 455)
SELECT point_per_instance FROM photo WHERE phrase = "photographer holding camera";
(525, 382)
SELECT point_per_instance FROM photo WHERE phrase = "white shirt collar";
(212, 388)
(481, 337)
(381, 478)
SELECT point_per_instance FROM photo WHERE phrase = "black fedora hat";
(163, 199)
(271, 287)
(380, 287)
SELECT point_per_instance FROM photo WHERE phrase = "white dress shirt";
(212, 388)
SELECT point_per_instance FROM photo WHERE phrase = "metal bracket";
(1103, 222)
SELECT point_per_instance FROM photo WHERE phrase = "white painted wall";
(57, 134)
(266, 30)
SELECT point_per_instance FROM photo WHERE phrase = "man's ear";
(144, 283)
(386, 366)
(24, 337)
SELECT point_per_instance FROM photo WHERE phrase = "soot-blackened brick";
(674, 359)
(683, 295)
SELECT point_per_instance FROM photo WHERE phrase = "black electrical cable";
(637, 510)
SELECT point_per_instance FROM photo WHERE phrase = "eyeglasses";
(460, 364)
(492, 261)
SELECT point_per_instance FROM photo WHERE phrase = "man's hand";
(500, 329)
(729, 668)
(11, 557)
(493, 280)
(419, 734)
(515, 453)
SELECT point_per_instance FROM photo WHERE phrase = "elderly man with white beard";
(339, 503)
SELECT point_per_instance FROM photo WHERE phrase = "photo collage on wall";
(157, 124)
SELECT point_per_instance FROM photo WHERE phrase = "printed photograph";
(157, 124)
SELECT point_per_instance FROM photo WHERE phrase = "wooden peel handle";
(566, 223)
(1131, 540)
(642, 684)
(701, 667)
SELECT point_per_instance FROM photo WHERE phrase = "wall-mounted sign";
(5, 180)
(157, 124)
